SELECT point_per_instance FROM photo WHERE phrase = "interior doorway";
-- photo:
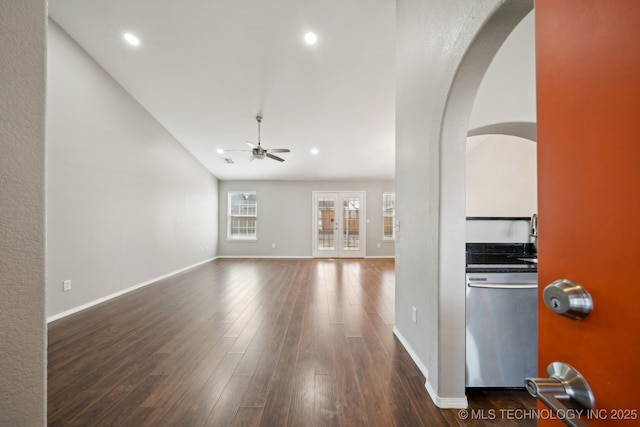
(338, 224)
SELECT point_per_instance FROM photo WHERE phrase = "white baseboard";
(382, 256)
(412, 353)
(291, 256)
(440, 402)
(122, 292)
(264, 257)
(446, 402)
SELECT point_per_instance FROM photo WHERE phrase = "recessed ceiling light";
(220, 151)
(314, 151)
(131, 39)
(310, 38)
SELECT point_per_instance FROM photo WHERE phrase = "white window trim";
(230, 194)
(385, 238)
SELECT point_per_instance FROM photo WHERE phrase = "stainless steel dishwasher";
(502, 329)
(501, 321)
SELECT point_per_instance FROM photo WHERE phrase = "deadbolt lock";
(568, 299)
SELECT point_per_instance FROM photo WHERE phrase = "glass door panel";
(326, 215)
(351, 223)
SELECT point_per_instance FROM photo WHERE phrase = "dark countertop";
(501, 258)
(490, 268)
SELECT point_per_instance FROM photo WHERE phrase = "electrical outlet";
(66, 285)
(273, 245)
(378, 245)
(414, 314)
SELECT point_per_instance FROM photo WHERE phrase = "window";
(242, 215)
(389, 216)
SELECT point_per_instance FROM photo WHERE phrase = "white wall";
(495, 230)
(443, 49)
(508, 90)
(285, 212)
(126, 203)
(501, 169)
(501, 176)
(22, 213)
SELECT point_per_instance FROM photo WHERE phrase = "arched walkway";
(441, 63)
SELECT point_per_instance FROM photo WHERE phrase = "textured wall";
(22, 216)
(443, 49)
(126, 203)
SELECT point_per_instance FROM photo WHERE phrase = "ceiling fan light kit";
(258, 152)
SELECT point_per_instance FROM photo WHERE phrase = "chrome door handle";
(563, 391)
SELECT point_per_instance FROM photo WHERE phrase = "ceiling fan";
(259, 152)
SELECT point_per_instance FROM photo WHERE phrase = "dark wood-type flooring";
(257, 342)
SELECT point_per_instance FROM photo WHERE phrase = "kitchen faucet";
(533, 231)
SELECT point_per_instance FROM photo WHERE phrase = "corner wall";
(126, 202)
(22, 213)
(443, 49)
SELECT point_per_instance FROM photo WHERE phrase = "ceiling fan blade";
(279, 150)
(251, 144)
(271, 156)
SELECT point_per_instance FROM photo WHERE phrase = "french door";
(338, 224)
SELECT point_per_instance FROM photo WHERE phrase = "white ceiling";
(206, 68)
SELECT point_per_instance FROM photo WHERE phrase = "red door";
(588, 84)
